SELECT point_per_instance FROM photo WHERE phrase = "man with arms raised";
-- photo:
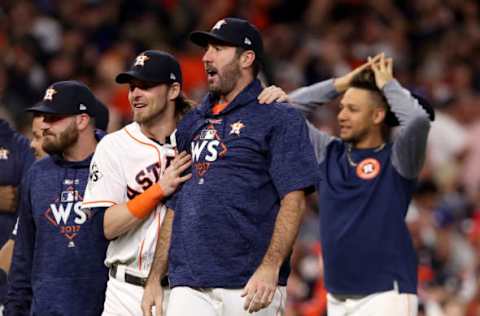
(366, 184)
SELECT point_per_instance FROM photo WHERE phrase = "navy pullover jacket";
(57, 266)
(16, 157)
(245, 160)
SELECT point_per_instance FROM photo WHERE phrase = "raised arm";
(411, 141)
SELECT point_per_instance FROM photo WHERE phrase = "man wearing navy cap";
(57, 266)
(235, 221)
(129, 176)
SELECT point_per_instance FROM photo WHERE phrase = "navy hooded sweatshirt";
(57, 266)
(16, 157)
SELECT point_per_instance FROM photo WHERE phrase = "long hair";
(183, 105)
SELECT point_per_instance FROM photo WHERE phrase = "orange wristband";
(142, 205)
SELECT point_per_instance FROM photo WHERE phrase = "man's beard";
(227, 79)
(62, 141)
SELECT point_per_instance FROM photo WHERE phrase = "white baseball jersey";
(125, 164)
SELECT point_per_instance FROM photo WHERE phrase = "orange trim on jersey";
(100, 201)
(143, 143)
(140, 256)
(219, 107)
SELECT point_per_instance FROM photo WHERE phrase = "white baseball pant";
(390, 303)
(186, 301)
(125, 299)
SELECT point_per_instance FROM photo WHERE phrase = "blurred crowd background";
(435, 45)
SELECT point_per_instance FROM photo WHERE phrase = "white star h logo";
(369, 168)
(236, 127)
(218, 25)
(140, 60)
(49, 94)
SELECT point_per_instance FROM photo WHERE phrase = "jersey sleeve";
(106, 186)
(292, 160)
(309, 99)
(409, 147)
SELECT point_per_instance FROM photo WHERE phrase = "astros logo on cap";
(368, 169)
(49, 94)
(140, 60)
(218, 25)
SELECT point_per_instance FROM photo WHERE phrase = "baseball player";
(365, 187)
(6, 252)
(128, 176)
(235, 221)
(15, 159)
(57, 266)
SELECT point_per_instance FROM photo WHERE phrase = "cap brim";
(204, 38)
(127, 76)
(42, 108)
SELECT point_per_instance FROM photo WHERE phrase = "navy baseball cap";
(231, 31)
(71, 98)
(391, 118)
(154, 67)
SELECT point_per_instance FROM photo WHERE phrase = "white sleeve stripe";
(91, 204)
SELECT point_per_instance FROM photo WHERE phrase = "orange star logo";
(236, 127)
(49, 94)
(140, 60)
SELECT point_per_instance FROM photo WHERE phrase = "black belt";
(135, 280)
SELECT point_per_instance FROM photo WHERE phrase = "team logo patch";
(66, 215)
(95, 173)
(4, 152)
(140, 60)
(206, 148)
(49, 94)
(368, 169)
(236, 127)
